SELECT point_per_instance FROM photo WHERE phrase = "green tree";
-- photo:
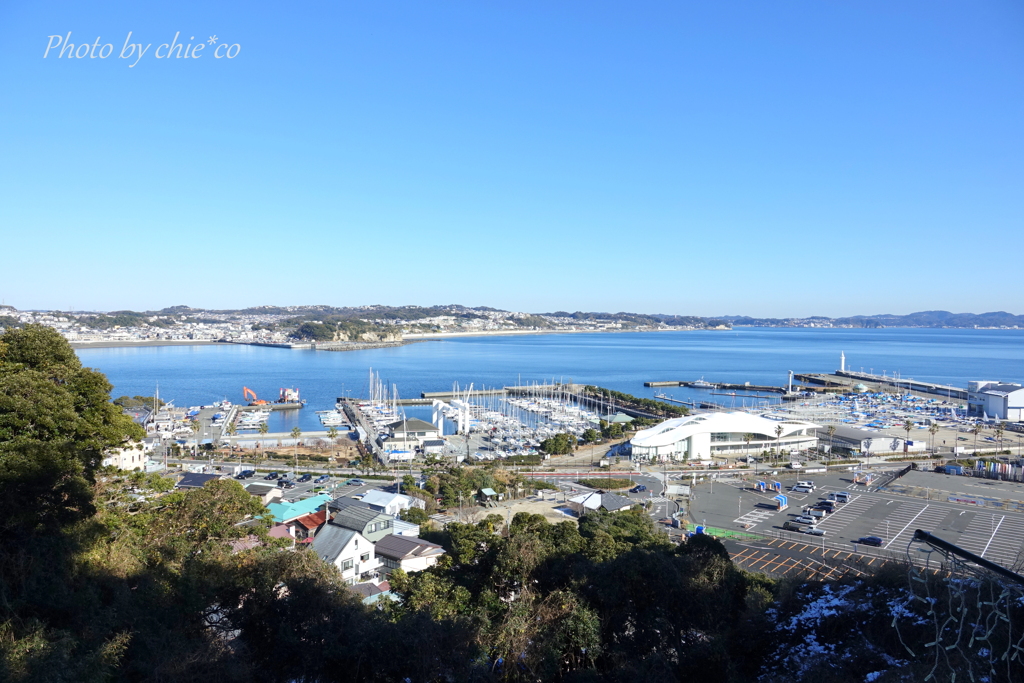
(976, 430)
(56, 421)
(933, 430)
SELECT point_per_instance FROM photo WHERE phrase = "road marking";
(904, 528)
(994, 532)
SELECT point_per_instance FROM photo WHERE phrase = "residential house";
(372, 524)
(391, 503)
(307, 526)
(599, 500)
(267, 493)
(286, 512)
(407, 553)
(349, 551)
(195, 480)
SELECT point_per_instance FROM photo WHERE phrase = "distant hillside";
(920, 319)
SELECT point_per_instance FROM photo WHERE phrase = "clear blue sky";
(761, 158)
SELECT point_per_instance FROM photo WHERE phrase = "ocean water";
(198, 375)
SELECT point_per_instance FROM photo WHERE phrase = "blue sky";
(760, 158)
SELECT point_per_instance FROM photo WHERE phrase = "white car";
(804, 519)
(813, 531)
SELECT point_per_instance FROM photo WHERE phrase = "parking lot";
(995, 535)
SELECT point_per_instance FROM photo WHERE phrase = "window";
(347, 564)
(365, 557)
(373, 527)
(385, 524)
(390, 564)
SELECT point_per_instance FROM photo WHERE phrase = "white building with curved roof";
(707, 436)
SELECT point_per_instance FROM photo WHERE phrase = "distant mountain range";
(920, 319)
(423, 318)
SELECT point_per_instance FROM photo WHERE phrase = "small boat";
(701, 384)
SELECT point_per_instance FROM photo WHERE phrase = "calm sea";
(197, 375)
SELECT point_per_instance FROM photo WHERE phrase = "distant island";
(355, 325)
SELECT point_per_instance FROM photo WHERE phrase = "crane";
(250, 395)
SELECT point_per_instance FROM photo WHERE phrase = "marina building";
(408, 435)
(866, 442)
(718, 435)
(998, 400)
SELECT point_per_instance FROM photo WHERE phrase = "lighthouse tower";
(842, 362)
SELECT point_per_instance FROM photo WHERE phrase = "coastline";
(144, 342)
(503, 333)
(411, 338)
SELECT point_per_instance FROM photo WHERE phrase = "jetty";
(725, 386)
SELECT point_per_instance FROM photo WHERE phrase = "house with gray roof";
(372, 524)
(195, 480)
(349, 551)
(391, 503)
(600, 500)
(408, 553)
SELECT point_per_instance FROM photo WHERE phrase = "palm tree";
(296, 433)
(747, 438)
(908, 424)
(778, 446)
(933, 430)
(263, 429)
(999, 436)
(976, 429)
(196, 427)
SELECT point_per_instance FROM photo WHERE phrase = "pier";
(720, 385)
(846, 379)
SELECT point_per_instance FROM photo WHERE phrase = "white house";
(998, 400)
(407, 553)
(128, 458)
(391, 503)
(717, 435)
(349, 551)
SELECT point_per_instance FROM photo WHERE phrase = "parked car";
(802, 519)
(245, 474)
(871, 540)
(321, 479)
(801, 489)
(272, 475)
(839, 496)
(814, 531)
(792, 525)
(305, 477)
(286, 483)
(639, 488)
(356, 482)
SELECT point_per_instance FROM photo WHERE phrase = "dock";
(721, 385)
(846, 379)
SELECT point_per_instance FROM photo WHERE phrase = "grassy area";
(608, 484)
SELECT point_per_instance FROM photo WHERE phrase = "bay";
(200, 375)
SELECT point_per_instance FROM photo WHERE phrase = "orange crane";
(250, 395)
